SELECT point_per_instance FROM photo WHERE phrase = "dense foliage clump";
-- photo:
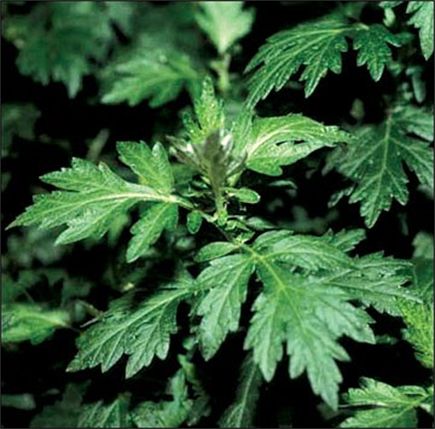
(217, 276)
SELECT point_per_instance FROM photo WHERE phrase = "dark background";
(37, 369)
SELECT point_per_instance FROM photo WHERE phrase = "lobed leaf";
(378, 171)
(93, 198)
(422, 18)
(158, 75)
(371, 42)
(149, 227)
(101, 415)
(224, 22)
(390, 407)
(226, 280)
(278, 141)
(143, 332)
(63, 413)
(307, 302)
(58, 42)
(151, 166)
(309, 320)
(316, 46)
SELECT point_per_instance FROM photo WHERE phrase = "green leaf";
(200, 399)
(155, 74)
(12, 289)
(91, 190)
(121, 14)
(224, 22)
(390, 4)
(209, 114)
(283, 140)
(244, 195)
(149, 227)
(227, 280)
(315, 45)
(309, 284)
(157, 64)
(214, 250)
(151, 166)
(165, 414)
(309, 319)
(141, 332)
(419, 331)
(23, 322)
(375, 159)
(308, 301)
(422, 270)
(304, 251)
(376, 281)
(241, 412)
(18, 120)
(101, 415)
(371, 42)
(390, 407)
(423, 278)
(422, 19)
(94, 197)
(64, 413)
(423, 246)
(194, 221)
(346, 240)
(58, 42)
(419, 317)
(23, 401)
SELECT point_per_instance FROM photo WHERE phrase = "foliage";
(317, 46)
(59, 41)
(241, 412)
(187, 265)
(224, 24)
(403, 138)
(18, 121)
(420, 16)
(394, 407)
(383, 405)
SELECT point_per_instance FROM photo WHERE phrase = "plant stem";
(221, 66)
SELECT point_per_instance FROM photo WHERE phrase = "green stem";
(221, 66)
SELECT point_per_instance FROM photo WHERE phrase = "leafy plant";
(230, 259)
(397, 406)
